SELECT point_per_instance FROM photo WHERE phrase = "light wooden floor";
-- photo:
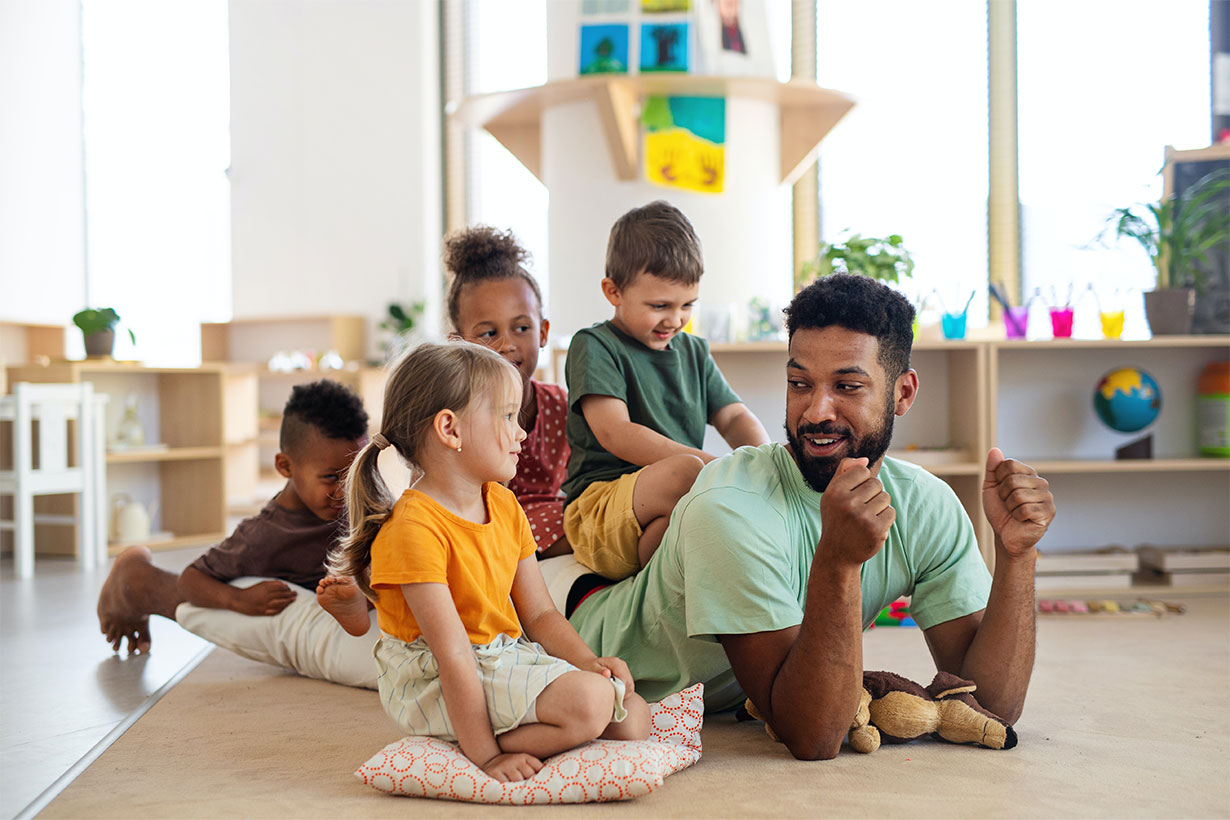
(62, 690)
(64, 696)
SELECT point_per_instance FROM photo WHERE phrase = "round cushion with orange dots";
(599, 771)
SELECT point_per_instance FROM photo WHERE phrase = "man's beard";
(818, 471)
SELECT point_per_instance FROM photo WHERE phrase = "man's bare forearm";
(1001, 656)
(815, 693)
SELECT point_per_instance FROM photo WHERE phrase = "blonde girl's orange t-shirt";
(422, 542)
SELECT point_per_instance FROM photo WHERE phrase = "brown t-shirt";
(289, 545)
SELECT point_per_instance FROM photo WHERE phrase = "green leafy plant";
(99, 320)
(402, 318)
(1177, 232)
(400, 321)
(884, 259)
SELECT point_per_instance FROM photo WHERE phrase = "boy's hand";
(265, 598)
(513, 766)
(612, 668)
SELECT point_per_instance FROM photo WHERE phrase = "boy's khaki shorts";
(602, 527)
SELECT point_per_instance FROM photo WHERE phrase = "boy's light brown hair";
(655, 238)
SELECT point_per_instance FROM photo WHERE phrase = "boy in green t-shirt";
(640, 394)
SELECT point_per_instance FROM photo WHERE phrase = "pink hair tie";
(380, 441)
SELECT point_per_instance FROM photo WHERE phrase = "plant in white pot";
(98, 330)
(1177, 233)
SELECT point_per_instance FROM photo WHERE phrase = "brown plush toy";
(894, 709)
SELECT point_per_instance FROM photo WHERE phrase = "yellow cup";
(1112, 324)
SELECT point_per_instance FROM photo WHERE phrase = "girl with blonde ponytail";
(472, 648)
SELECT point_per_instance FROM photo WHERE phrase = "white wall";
(42, 232)
(335, 178)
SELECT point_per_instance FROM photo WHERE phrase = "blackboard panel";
(1183, 170)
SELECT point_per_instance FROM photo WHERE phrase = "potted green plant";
(1177, 233)
(98, 330)
(400, 321)
(884, 259)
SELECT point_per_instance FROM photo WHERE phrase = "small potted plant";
(884, 259)
(98, 330)
(1177, 233)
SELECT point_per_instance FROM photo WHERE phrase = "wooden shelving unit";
(806, 113)
(185, 409)
(1034, 400)
(253, 342)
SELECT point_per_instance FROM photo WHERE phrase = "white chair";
(52, 406)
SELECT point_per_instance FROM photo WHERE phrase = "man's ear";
(281, 463)
(611, 291)
(905, 391)
(447, 428)
(543, 331)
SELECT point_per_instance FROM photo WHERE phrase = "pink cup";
(1061, 322)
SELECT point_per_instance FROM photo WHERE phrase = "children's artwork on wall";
(685, 142)
(733, 38)
(604, 49)
(660, 6)
(665, 47)
(590, 8)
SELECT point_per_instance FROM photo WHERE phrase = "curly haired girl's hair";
(425, 380)
(482, 253)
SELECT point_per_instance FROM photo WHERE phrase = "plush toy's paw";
(754, 714)
(865, 739)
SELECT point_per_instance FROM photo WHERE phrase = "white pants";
(302, 638)
(560, 573)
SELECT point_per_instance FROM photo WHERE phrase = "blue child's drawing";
(604, 49)
(665, 47)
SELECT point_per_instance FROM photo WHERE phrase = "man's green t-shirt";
(673, 392)
(736, 557)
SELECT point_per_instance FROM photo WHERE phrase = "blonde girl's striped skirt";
(513, 673)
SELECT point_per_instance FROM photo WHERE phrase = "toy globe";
(1127, 399)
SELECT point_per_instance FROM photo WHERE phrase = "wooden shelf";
(782, 347)
(194, 412)
(1116, 344)
(1144, 465)
(170, 454)
(807, 113)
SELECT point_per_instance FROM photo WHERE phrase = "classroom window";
(506, 48)
(1103, 86)
(911, 157)
(156, 105)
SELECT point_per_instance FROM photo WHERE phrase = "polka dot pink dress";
(543, 466)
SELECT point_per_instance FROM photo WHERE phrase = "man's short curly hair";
(860, 304)
(333, 409)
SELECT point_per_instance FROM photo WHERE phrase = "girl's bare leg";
(633, 727)
(574, 709)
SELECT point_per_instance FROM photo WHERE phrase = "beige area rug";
(1129, 716)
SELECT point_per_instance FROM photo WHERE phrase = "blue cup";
(953, 325)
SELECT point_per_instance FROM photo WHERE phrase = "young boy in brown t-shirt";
(254, 593)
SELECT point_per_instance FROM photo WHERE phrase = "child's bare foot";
(341, 597)
(134, 590)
